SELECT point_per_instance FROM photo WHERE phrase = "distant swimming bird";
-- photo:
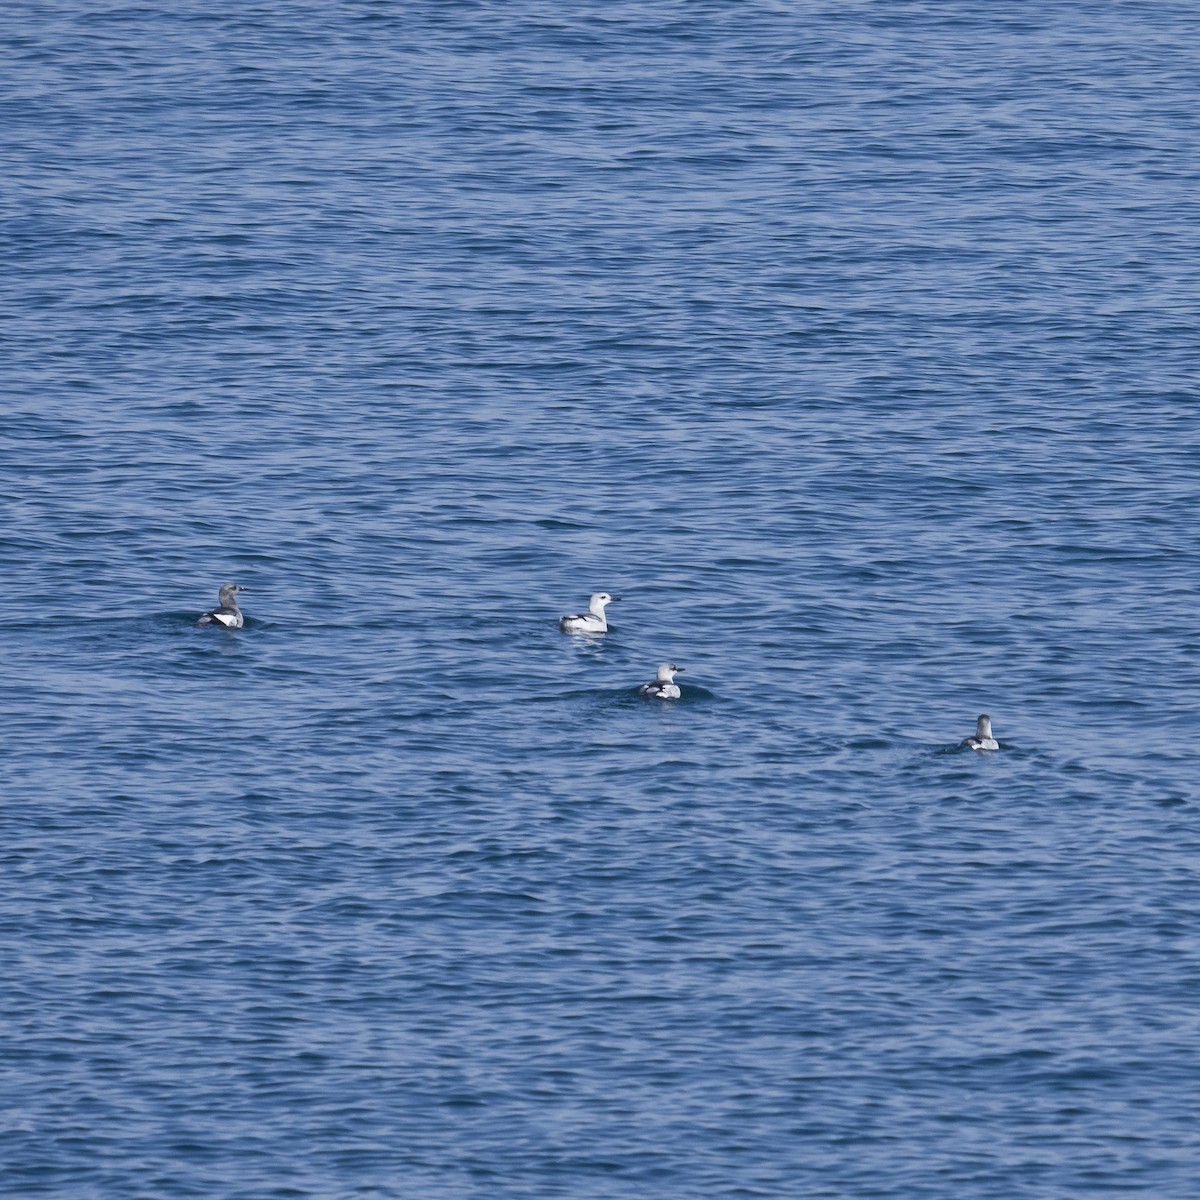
(592, 621)
(983, 739)
(227, 612)
(664, 687)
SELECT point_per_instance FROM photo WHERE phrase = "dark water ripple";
(854, 346)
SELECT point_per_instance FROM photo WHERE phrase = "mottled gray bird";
(983, 739)
(664, 687)
(227, 612)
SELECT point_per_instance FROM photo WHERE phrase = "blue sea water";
(854, 345)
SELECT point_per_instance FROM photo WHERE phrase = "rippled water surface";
(853, 345)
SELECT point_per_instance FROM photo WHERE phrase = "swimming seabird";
(227, 612)
(664, 687)
(592, 621)
(983, 739)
